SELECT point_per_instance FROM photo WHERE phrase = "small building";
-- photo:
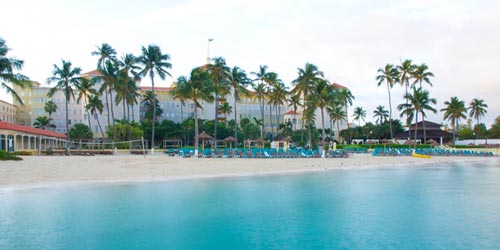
(15, 137)
(8, 112)
(432, 131)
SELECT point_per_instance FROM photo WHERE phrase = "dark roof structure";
(432, 131)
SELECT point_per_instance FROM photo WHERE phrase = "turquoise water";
(430, 207)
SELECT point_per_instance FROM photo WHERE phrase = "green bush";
(4, 156)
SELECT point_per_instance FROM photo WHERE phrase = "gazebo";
(203, 136)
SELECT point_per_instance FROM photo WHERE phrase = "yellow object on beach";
(420, 156)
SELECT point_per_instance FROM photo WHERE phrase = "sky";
(348, 40)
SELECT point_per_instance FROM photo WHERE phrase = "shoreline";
(35, 172)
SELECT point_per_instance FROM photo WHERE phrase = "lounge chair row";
(428, 151)
(261, 153)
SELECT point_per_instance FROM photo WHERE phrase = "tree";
(43, 122)
(406, 71)
(359, 114)
(421, 74)
(321, 96)
(294, 101)
(494, 131)
(238, 81)
(477, 108)
(65, 78)
(107, 56)
(8, 75)
(94, 106)
(154, 63)
(381, 114)
(419, 102)
(390, 75)
(80, 131)
(454, 111)
(337, 114)
(261, 90)
(150, 104)
(198, 86)
(346, 99)
(219, 72)
(50, 107)
(303, 84)
(225, 109)
(85, 90)
(277, 96)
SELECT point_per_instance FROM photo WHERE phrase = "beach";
(50, 170)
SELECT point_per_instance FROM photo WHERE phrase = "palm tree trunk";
(196, 139)
(390, 110)
(416, 129)
(107, 107)
(100, 128)
(112, 114)
(406, 93)
(124, 109)
(67, 126)
(346, 116)
(271, 118)
(262, 115)
(323, 135)
(423, 124)
(235, 119)
(154, 113)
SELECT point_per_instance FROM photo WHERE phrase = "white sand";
(49, 170)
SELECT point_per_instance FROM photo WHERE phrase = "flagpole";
(208, 50)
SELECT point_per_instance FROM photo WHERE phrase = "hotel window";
(22, 93)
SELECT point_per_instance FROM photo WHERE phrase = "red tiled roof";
(291, 112)
(94, 72)
(337, 86)
(30, 130)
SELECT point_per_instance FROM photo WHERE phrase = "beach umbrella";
(230, 139)
(261, 141)
(409, 142)
(432, 142)
(203, 136)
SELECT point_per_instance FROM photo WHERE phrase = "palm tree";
(50, 107)
(381, 114)
(477, 108)
(261, 90)
(294, 101)
(346, 99)
(94, 106)
(454, 111)
(219, 72)
(406, 70)
(127, 90)
(303, 85)
(8, 75)
(421, 74)
(154, 63)
(66, 78)
(43, 122)
(277, 92)
(198, 86)
(390, 75)
(85, 90)
(106, 54)
(418, 102)
(321, 96)
(225, 109)
(359, 114)
(337, 114)
(238, 81)
(150, 101)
